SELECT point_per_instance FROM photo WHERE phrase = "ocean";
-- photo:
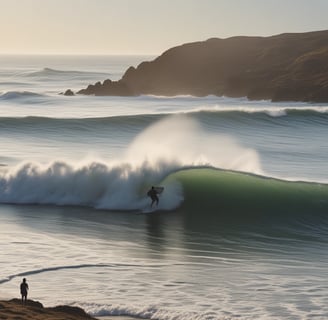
(241, 229)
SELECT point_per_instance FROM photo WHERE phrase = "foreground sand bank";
(33, 310)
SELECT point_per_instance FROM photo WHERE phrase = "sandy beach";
(33, 310)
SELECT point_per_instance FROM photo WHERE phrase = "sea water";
(241, 230)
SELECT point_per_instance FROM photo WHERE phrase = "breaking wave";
(124, 187)
(95, 184)
(177, 163)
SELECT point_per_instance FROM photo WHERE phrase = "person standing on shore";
(23, 290)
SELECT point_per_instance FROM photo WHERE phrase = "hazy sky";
(146, 26)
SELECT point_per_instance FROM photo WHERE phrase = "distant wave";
(87, 123)
(272, 111)
(13, 83)
(48, 72)
(12, 95)
(304, 114)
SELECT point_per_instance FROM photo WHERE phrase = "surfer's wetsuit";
(152, 193)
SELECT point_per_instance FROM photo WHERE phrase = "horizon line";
(75, 54)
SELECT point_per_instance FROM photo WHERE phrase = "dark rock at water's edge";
(68, 92)
(285, 67)
(108, 88)
(15, 310)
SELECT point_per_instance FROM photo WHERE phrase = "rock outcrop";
(34, 310)
(286, 67)
(68, 92)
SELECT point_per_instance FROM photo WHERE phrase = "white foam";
(94, 184)
(148, 312)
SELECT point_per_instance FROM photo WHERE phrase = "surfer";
(23, 290)
(152, 193)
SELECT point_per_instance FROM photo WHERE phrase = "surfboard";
(159, 190)
(148, 210)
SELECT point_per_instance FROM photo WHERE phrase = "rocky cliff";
(286, 67)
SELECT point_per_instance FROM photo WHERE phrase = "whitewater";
(241, 230)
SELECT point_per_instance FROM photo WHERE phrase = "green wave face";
(209, 192)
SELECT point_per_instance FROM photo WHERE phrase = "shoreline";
(33, 310)
(118, 317)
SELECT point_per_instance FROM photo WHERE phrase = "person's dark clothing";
(23, 290)
(24, 287)
(152, 193)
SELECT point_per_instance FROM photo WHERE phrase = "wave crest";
(95, 184)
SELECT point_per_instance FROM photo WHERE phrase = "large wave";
(201, 190)
(164, 147)
(170, 153)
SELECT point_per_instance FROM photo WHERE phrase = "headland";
(285, 67)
